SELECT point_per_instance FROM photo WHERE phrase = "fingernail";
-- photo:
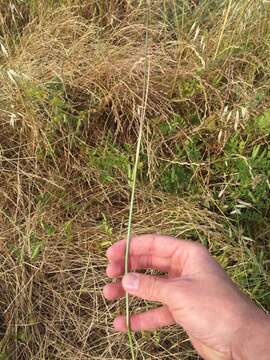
(131, 281)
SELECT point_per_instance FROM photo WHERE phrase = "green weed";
(263, 122)
(173, 126)
(110, 162)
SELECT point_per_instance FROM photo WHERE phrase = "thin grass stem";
(134, 174)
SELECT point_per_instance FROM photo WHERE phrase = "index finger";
(150, 244)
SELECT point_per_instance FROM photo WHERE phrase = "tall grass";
(142, 113)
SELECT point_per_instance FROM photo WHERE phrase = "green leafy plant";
(177, 176)
(49, 229)
(171, 127)
(110, 162)
(36, 246)
(263, 122)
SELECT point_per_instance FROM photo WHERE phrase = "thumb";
(147, 287)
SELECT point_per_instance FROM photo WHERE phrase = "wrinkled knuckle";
(153, 288)
(200, 250)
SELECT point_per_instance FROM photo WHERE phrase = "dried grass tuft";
(71, 83)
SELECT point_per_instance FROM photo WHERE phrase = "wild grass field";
(71, 87)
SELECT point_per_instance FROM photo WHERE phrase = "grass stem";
(134, 174)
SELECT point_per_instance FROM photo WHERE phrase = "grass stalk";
(134, 174)
(223, 29)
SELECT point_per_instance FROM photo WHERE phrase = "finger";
(148, 321)
(148, 287)
(155, 245)
(113, 291)
(117, 268)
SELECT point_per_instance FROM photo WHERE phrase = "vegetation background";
(71, 85)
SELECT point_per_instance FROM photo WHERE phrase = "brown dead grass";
(53, 305)
(56, 215)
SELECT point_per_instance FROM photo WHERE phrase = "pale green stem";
(134, 178)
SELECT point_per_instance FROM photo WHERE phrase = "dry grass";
(52, 304)
(71, 77)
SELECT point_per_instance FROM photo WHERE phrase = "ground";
(73, 77)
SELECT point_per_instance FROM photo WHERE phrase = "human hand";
(196, 293)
